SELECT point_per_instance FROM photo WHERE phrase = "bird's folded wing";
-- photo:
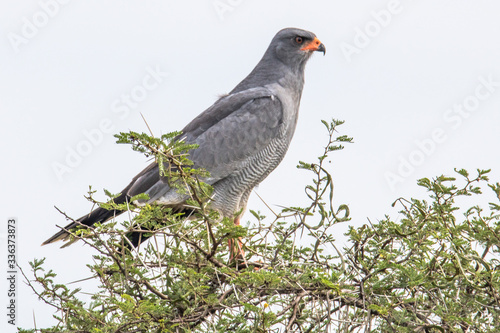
(226, 146)
(232, 131)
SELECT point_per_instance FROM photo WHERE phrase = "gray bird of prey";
(241, 138)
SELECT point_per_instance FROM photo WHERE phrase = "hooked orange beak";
(315, 45)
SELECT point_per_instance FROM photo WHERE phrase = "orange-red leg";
(236, 247)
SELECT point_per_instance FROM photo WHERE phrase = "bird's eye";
(299, 40)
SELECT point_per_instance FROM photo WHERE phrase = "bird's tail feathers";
(97, 215)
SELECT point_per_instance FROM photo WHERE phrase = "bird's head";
(294, 46)
(288, 52)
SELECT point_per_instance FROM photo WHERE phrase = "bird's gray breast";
(231, 193)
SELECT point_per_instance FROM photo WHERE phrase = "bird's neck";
(274, 71)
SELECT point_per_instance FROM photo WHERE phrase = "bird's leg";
(235, 247)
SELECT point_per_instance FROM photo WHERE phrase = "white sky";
(68, 75)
